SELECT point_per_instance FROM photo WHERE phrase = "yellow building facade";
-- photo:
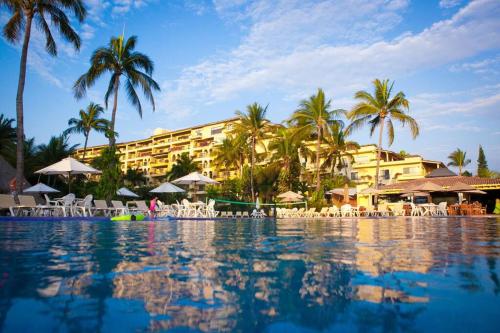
(155, 156)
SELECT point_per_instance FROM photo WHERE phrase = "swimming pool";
(398, 274)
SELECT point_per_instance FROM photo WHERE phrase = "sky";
(215, 57)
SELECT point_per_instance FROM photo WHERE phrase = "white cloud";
(485, 66)
(293, 47)
(449, 3)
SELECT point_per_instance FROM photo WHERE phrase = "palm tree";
(459, 159)
(135, 177)
(7, 136)
(88, 120)
(43, 13)
(120, 60)
(57, 149)
(312, 119)
(379, 110)
(285, 149)
(337, 147)
(252, 128)
(184, 165)
(228, 155)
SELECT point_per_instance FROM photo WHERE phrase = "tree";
(135, 177)
(337, 147)
(229, 154)
(120, 60)
(312, 119)
(482, 164)
(56, 149)
(7, 136)
(379, 110)
(458, 159)
(111, 177)
(184, 165)
(89, 120)
(285, 153)
(252, 128)
(43, 13)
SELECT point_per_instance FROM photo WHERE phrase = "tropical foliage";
(337, 148)
(253, 127)
(111, 177)
(47, 16)
(379, 110)
(184, 165)
(285, 153)
(458, 159)
(312, 120)
(120, 60)
(7, 136)
(87, 121)
(229, 155)
(482, 164)
(135, 177)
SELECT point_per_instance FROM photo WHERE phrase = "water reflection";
(390, 274)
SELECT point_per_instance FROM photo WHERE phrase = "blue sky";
(215, 57)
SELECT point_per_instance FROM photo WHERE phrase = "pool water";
(380, 275)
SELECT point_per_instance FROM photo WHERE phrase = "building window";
(410, 171)
(386, 174)
(216, 130)
(354, 176)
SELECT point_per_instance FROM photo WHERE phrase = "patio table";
(428, 209)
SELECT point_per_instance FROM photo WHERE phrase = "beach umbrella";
(475, 192)
(429, 187)
(290, 196)
(257, 203)
(40, 188)
(167, 188)
(68, 167)
(125, 192)
(460, 187)
(195, 179)
(415, 194)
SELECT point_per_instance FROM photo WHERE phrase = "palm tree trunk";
(85, 146)
(459, 169)
(19, 107)
(379, 155)
(112, 139)
(318, 147)
(251, 168)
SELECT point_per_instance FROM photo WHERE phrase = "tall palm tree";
(43, 13)
(285, 152)
(120, 60)
(229, 155)
(458, 158)
(252, 128)
(89, 120)
(312, 119)
(7, 136)
(135, 177)
(379, 110)
(337, 146)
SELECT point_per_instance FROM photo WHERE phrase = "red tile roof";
(477, 182)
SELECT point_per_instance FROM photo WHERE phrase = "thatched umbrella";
(460, 188)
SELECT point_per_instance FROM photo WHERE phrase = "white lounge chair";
(119, 207)
(7, 202)
(101, 206)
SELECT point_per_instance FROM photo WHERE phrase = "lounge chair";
(28, 203)
(324, 212)
(102, 207)
(310, 213)
(346, 210)
(334, 211)
(223, 214)
(140, 207)
(119, 207)
(245, 214)
(7, 202)
(238, 214)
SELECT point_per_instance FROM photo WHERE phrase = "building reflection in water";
(246, 276)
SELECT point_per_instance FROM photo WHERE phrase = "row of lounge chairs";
(68, 206)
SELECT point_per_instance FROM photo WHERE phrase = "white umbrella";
(257, 203)
(40, 188)
(290, 195)
(67, 167)
(194, 178)
(125, 192)
(167, 188)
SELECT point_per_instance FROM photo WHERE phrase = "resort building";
(155, 156)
